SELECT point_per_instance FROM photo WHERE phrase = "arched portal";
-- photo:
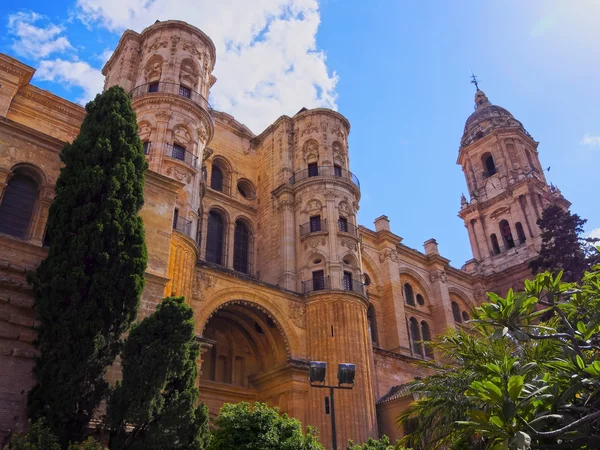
(248, 358)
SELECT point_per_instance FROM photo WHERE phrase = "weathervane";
(474, 80)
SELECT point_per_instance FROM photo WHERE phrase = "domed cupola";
(485, 119)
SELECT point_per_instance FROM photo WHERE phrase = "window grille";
(315, 224)
(241, 247)
(18, 202)
(185, 92)
(343, 224)
(318, 278)
(215, 238)
(313, 170)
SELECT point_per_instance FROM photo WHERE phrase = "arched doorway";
(248, 359)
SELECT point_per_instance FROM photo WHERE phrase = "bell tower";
(507, 191)
(167, 71)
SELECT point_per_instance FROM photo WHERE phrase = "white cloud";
(594, 233)
(592, 141)
(267, 60)
(34, 41)
(73, 73)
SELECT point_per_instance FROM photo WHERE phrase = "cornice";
(326, 111)
(158, 25)
(225, 199)
(228, 121)
(13, 66)
(162, 181)
(53, 102)
(173, 99)
(319, 180)
(25, 132)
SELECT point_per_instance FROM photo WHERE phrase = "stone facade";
(259, 232)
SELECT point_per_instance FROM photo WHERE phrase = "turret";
(167, 71)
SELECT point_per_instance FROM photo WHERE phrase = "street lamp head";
(317, 372)
(346, 373)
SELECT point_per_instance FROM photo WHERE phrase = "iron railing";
(313, 227)
(183, 226)
(245, 267)
(163, 87)
(354, 286)
(324, 284)
(324, 171)
(349, 228)
(316, 284)
(180, 153)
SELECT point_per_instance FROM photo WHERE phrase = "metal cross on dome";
(474, 80)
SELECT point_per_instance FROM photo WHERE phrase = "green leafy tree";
(154, 407)
(563, 248)
(258, 427)
(375, 444)
(39, 437)
(87, 290)
(529, 383)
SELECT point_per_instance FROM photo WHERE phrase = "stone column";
(287, 276)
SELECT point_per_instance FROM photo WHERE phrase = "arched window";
(416, 336)
(409, 295)
(215, 238)
(520, 232)
(495, 246)
(372, 323)
(506, 234)
(489, 168)
(18, 203)
(456, 312)
(241, 247)
(216, 178)
(465, 316)
(426, 333)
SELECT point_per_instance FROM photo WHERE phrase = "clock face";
(492, 184)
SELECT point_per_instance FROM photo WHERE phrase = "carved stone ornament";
(163, 114)
(189, 73)
(344, 208)
(174, 41)
(182, 135)
(156, 44)
(145, 131)
(191, 49)
(313, 206)
(202, 131)
(153, 68)
(330, 195)
(438, 275)
(315, 242)
(298, 314)
(202, 282)
(338, 132)
(351, 244)
(310, 150)
(310, 128)
(390, 254)
(179, 174)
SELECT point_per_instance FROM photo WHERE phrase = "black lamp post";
(316, 374)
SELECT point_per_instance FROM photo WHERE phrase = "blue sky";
(398, 70)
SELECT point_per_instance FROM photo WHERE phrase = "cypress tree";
(158, 394)
(562, 247)
(87, 290)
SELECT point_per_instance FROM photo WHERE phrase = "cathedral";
(260, 234)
